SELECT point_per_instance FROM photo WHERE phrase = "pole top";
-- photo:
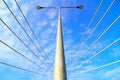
(59, 13)
(79, 7)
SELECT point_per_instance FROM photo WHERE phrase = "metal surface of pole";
(59, 65)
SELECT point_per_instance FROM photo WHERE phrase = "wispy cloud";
(10, 56)
(115, 52)
(113, 72)
(51, 14)
(45, 28)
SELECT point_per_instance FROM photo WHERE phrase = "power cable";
(92, 19)
(31, 28)
(117, 40)
(20, 40)
(103, 33)
(19, 68)
(22, 28)
(109, 64)
(95, 28)
(19, 53)
(90, 35)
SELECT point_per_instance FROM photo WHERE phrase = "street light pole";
(59, 65)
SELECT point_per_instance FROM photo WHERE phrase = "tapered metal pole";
(59, 65)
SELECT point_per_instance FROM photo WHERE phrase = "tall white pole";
(59, 65)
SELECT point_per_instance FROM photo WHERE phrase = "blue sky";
(74, 23)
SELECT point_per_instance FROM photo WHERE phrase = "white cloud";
(51, 14)
(113, 72)
(25, 8)
(87, 32)
(13, 58)
(41, 25)
(44, 2)
(115, 53)
(53, 23)
(3, 12)
(7, 54)
(47, 36)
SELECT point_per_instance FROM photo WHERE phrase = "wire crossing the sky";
(103, 33)
(90, 35)
(92, 19)
(20, 68)
(19, 53)
(20, 40)
(100, 51)
(23, 29)
(112, 63)
(41, 50)
(31, 29)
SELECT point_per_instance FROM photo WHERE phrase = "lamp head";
(80, 7)
(39, 7)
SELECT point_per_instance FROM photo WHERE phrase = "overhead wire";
(96, 54)
(92, 19)
(88, 39)
(20, 40)
(23, 29)
(19, 53)
(19, 68)
(101, 19)
(31, 29)
(99, 67)
(103, 33)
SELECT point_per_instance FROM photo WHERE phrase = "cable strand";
(109, 64)
(20, 40)
(92, 19)
(31, 29)
(23, 29)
